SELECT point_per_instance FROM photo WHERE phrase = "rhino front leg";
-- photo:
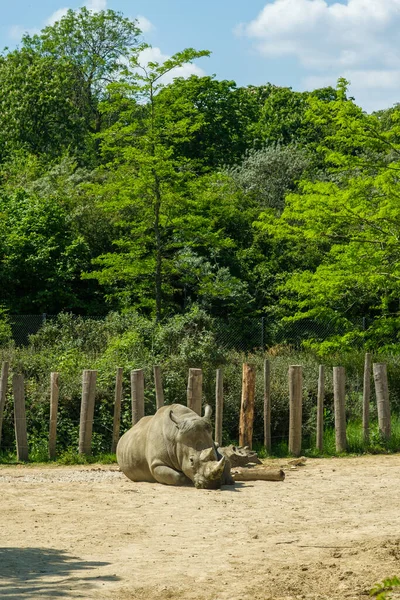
(169, 476)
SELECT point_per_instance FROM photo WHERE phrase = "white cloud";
(354, 38)
(155, 55)
(144, 24)
(96, 5)
(16, 32)
(56, 16)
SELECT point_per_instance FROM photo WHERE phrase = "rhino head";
(197, 455)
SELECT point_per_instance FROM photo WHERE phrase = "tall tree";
(226, 115)
(145, 181)
(51, 87)
(95, 43)
(351, 220)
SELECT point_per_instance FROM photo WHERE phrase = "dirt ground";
(329, 531)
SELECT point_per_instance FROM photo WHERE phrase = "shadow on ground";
(46, 573)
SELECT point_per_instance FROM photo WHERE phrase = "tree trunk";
(247, 405)
(117, 409)
(320, 409)
(219, 406)
(257, 474)
(3, 392)
(195, 390)
(295, 408)
(267, 405)
(366, 396)
(339, 382)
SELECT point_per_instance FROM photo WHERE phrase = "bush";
(70, 344)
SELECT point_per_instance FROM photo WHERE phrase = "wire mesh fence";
(245, 335)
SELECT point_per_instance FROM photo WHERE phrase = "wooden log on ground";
(366, 396)
(267, 405)
(239, 457)
(195, 390)
(219, 405)
(54, 394)
(21, 435)
(158, 386)
(320, 409)
(257, 474)
(117, 409)
(3, 391)
(137, 395)
(87, 411)
(382, 399)
(247, 405)
(339, 383)
(295, 408)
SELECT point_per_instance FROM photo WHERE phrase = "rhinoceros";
(174, 447)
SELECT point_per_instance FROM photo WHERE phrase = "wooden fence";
(194, 401)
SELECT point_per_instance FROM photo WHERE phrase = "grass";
(355, 441)
(68, 457)
(355, 446)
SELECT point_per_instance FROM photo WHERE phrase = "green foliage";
(40, 254)
(5, 328)
(382, 590)
(41, 109)
(268, 175)
(224, 117)
(350, 222)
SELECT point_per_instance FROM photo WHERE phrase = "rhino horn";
(218, 469)
(208, 454)
(207, 412)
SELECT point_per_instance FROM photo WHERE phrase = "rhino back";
(131, 452)
(162, 447)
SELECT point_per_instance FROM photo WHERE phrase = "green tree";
(41, 255)
(351, 221)
(283, 116)
(145, 183)
(225, 115)
(41, 105)
(95, 43)
(51, 87)
(271, 173)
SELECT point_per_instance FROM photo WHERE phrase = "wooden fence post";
(117, 409)
(320, 409)
(366, 396)
(339, 394)
(87, 411)
(247, 405)
(219, 405)
(3, 392)
(158, 387)
(382, 398)
(195, 390)
(54, 394)
(295, 408)
(20, 417)
(137, 395)
(267, 405)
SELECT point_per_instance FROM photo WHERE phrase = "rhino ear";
(179, 424)
(207, 412)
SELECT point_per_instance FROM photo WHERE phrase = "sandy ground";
(330, 530)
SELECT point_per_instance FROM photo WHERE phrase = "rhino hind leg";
(170, 476)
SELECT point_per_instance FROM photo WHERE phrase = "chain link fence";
(246, 335)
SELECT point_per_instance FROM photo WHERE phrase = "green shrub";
(70, 344)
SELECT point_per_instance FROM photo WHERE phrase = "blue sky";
(299, 43)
